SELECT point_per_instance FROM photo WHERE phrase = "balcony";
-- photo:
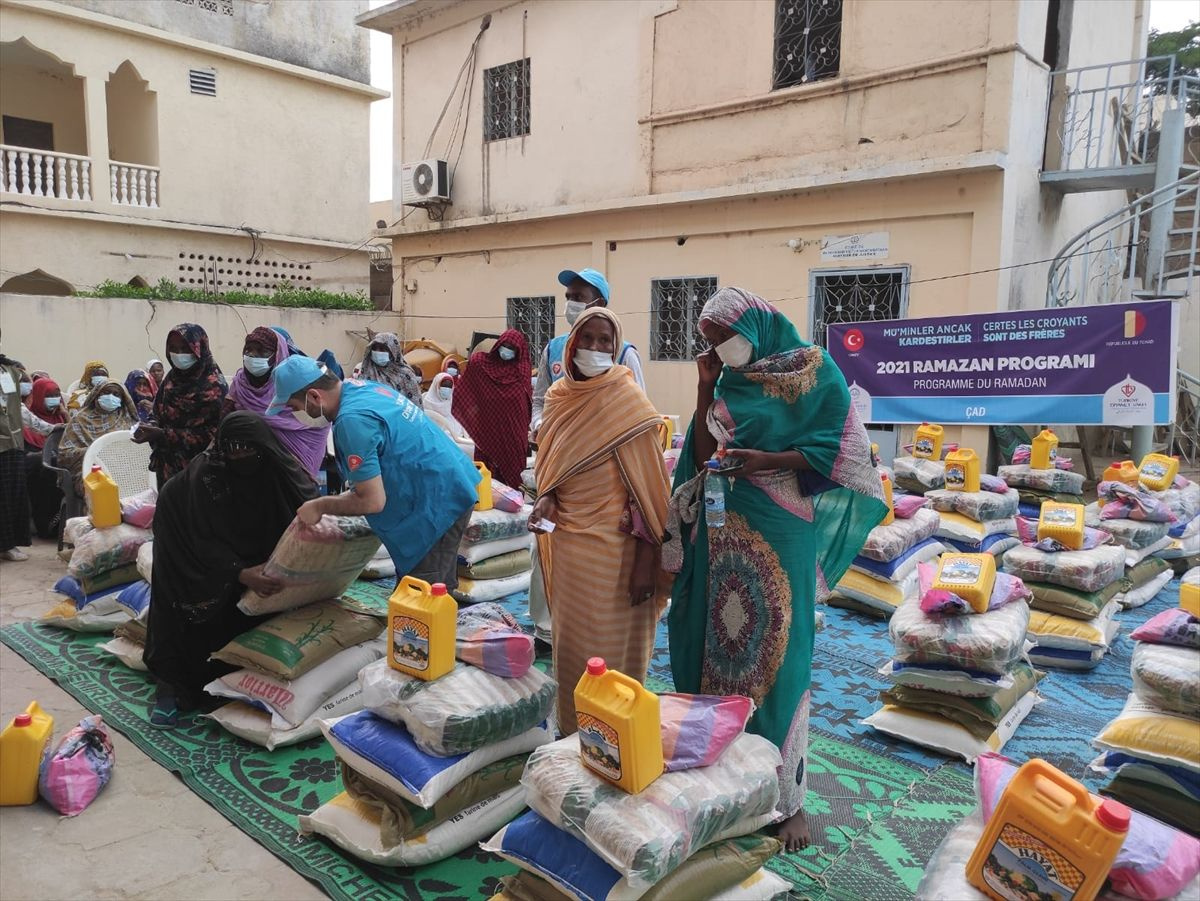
(133, 185)
(43, 173)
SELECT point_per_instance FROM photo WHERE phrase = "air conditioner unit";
(424, 183)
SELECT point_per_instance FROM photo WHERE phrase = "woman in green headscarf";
(799, 505)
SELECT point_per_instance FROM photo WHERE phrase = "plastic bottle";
(1124, 471)
(103, 498)
(422, 621)
(1189, 598)
(890, 516)
(970, 576)
(1048, 837)
(22, 745)
(1044, 450)
(927, 445)
(714, 497)
(1158, 471)
(484, 488)
(962, 470)
(1063, 523)
(620, 732)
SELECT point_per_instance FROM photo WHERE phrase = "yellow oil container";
(422, 620)
(927, 445)
(103, 498)
(1124, 471)
(962, 470)
(1063, 523)
(620, 732)
(22, 744)
(1189, 598)
(1048, 838)
(1044, 450)
(890, 516)
(1158, 471)
(970, 576)
(667, 432)
(484, 488)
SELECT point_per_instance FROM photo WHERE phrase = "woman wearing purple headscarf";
(251, 390)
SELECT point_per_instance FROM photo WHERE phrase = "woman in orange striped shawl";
(602, 483)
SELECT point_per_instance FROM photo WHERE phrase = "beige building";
(847, 159)
(220, 144)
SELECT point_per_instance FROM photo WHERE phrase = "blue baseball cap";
(591, 276)
(292, 375)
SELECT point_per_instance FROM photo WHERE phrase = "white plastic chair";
(126, 462)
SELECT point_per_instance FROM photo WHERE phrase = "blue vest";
(554, 356)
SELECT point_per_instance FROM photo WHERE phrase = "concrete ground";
(147, 835)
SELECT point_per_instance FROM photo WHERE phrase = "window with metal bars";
(533, 317)
(808, 41)
(675, 305)
(857, 295)
(506, 101)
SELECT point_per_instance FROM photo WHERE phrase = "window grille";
(203, 82)
(808, 41)
(533, 317)
(857, 295)
(675, 305)
(506, 101)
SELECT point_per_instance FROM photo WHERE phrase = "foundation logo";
(854, 341)
(1129, 402)
(354, 461)
(1135, 323)
(861, 400)
(556, 369)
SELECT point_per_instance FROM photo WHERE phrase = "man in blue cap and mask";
(411, 482)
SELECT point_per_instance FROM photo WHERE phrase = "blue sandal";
(165, 714)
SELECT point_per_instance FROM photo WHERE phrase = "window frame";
(546, 321)
(816, 305)
(696, 342)
(523, 114)
(778, 80)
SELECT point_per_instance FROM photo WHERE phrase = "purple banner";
(1102, 365)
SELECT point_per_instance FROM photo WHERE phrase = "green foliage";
(285, 295)
(1185, 45)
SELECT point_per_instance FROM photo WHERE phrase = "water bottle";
(714, 497)
(322, 482)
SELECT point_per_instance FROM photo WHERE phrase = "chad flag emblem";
(1135, 323)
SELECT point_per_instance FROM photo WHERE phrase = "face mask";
(52, 402)
(508, 354)
(26, 389)
(735, 352)
(183, 362)
(98, 380)
(452, 371)
(109, 403)
(244, 466)
(593, 362)
(307, 419)
(445, 393)
(256, 365)
(574, 308)
(380, 357)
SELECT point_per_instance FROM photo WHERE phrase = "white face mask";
(52, 402)
(593, 362)
(257, 366)
(183, 362)
(26, 389)
(574, 309)
(445, 393)
(307, 419)
(507, 354)
(109, 403)
(381, 357)
(98, 380)
(735, 352)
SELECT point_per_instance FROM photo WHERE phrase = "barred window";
(506, 101)
(857, 295)
(808, 41)
(675, 305)
(533, 317)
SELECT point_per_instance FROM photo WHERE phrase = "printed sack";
(256, 725)
(1144, 731)
(1174, 627)
(1084, 570)
(76, 771)
(103, 550)
(1167, 677)
(988, 642)
(489, 637)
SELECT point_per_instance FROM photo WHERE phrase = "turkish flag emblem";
(853, 341)
(354, 461)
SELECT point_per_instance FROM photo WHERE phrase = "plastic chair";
(126, 462)
(72, 504)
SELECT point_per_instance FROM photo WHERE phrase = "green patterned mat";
(875, 819)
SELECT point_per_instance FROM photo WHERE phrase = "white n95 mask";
(574, 309)
(735, 352)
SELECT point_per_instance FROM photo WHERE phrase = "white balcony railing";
(42, 173)
(133, 185)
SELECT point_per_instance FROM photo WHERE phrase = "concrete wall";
(34, 86)
(316, 34)
(60, 334)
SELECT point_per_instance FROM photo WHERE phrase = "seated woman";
(95, 373)
(384, 363)
(45, 499)
(155, 370)
(493, 399)
(251, 390)
(109, 408)
(438, 401)
(602, 482)
(214, 528)
(142, 388)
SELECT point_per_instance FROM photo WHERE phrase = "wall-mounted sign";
(868, 246)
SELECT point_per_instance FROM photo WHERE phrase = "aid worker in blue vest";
(585, 288)
(411, 482)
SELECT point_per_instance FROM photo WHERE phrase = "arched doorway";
(37, 282)
(132, 137)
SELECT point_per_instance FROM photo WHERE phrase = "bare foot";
(794, 832)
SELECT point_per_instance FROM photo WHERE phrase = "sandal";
(165, 714)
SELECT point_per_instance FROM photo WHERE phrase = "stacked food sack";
(884, 574)
(1139, 522)
(430, 768)
(690, 834)
(1036, 486)
(1183, 500)
(494, 558)
(1074, 595)
(960, 682)
(1153, 746)
(977, 521)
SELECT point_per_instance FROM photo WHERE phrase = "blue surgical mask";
(445, 392)
(52, 402)
(26, 389)
(380, 357)
(507, 353)
(98, 380)
(109, 403)
(183, 362)
(257, 366)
